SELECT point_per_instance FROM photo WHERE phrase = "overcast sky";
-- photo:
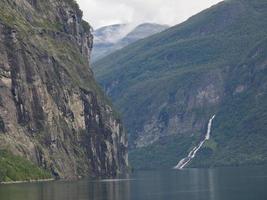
(106, 12)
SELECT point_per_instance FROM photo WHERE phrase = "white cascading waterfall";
(182, 163)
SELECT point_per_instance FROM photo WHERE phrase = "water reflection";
(190, 184)
(212, 184)
(111, 189)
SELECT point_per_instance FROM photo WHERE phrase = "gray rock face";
(51, 110)
(180, 116)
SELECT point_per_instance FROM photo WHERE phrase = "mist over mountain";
(111, 38)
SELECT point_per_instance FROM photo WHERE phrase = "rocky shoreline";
(29, 181)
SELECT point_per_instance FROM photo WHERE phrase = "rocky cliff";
(51, 110)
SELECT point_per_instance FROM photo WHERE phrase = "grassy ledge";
(15, 169)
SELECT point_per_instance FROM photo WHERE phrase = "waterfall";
(182, 163)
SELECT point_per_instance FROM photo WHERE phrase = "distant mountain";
(169, 85)
(140, 32)
(111, 38)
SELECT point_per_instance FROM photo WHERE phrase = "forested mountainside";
(169, 85)
(54, 119)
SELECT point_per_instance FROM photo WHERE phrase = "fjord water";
(246, 183)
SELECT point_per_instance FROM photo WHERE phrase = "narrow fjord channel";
(240, 183)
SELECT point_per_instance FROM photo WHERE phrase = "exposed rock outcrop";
(51, 110)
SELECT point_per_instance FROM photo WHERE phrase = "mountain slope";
(111, 38)
(173, 82)
(105, 38)
(140, 32)
(52, 112)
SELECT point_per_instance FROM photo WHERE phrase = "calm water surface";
(249, 183)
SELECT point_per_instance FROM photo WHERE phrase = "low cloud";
(106, 12)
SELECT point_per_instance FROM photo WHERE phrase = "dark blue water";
(247, 183)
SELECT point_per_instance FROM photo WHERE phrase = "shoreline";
(29, 181)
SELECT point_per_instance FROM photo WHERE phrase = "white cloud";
(105, 12)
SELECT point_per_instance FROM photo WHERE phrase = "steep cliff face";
(51, 110)
(172, 83)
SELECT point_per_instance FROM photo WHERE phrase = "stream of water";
(185, 161)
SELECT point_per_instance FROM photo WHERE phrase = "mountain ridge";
(114, 37)
(171, 83)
